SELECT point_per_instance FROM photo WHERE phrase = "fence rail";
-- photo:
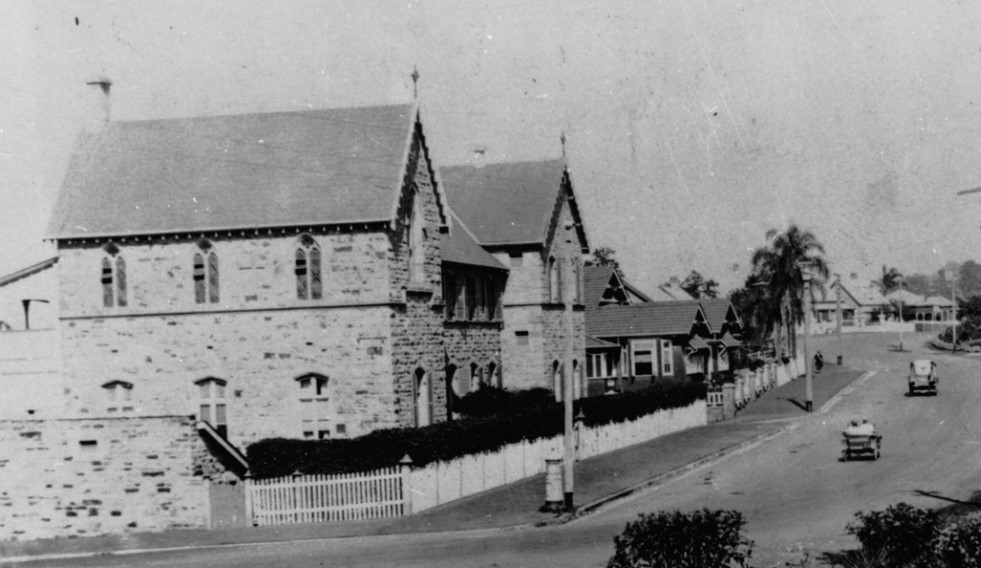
(322, 498)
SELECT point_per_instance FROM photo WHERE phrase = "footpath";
(598, 481)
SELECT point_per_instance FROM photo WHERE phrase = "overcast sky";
(693, 126)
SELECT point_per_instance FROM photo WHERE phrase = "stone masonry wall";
(473, 343)
(259, 354)
(62, 478)
(417, 331)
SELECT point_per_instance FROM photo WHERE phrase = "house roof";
(596, 281)
(675, 291)
(657, 319)
(910, 299)
(698, 343)
(317, 167)
(509, 203)
(596, 343)
(28, 271)
(458, 246)
(728, 340)
(717, 312)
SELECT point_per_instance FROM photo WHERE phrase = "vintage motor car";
(861, 441)
(923, 377)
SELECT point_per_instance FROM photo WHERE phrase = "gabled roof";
(697, 343)
(675, 291)
(658, 319)
(910, 299)
(717, 312)
(458, 246)
(285, 169)
(510, 203)
(604, 283)
(28, 271)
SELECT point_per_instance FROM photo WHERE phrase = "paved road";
(793, 490)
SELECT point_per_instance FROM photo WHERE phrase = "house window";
(118, 396)
(309, 281)
(577, 386)
(577, 274)
(113, 279)
(600, 365)
(471, 297)
(211, 403)
(422, 398)
(642, 357)
(417, 234)
(454, 390)
(667, 358)
(314, 410)
(205, 273)
(460, 303)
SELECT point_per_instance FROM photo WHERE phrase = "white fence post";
(405, 468)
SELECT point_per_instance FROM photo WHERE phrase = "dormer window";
(113, 278)
(309, 282)
(205, 274)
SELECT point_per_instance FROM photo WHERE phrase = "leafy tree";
(778, 265)
(756, 309)
(969, 282)
(606, 256)
(917, 283)
(697, 286)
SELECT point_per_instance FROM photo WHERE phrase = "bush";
(903, 533)
(699, 539)
(958, 545)
(526, 415)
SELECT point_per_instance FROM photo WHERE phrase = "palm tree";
(779, 264)
(891, 278)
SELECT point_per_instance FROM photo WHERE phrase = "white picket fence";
(403, 490)
(323, 498)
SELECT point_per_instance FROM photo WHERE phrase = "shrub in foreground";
(700, 539)
(903, 533)
(958, 544)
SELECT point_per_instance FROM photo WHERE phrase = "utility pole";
(805, 269)
(568, 380)
(841, 354)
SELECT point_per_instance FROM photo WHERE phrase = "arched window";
(557, 382)
(422, 398)
(476, 376)
(118, 396)
(309, 281)
(554, 280)
(417, 238)
(577, 386)
(577, 269)
(494, 374)
(453, 391)
(113, 278)
(315, 413)
(211, 403)
(205, 274)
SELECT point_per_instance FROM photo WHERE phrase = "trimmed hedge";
(527, 415)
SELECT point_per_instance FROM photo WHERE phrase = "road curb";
(661, 479)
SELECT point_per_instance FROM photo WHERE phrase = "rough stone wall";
(479, 343)
(30, 374)
(417, 330)
(259, 354)
(256, 271)
(86, 477)
(526, 310)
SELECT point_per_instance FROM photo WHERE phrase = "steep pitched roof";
(458, 246)
(657, 319)
(717, 312)
(509, 203)
(317, 167)
(597, 282)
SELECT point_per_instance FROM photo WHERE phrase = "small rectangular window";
(521, 337)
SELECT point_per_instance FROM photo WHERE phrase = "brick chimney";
(98, 115)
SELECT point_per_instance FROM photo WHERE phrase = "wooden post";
(249, 506)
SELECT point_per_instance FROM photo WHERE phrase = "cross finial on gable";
(562, 140)
(415, 82)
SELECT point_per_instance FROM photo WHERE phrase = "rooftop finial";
(415, 82)
(562, 140)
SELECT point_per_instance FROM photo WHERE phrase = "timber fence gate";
(291, 499)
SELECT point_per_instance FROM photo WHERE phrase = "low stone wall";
(65, 478)
(442, 482)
